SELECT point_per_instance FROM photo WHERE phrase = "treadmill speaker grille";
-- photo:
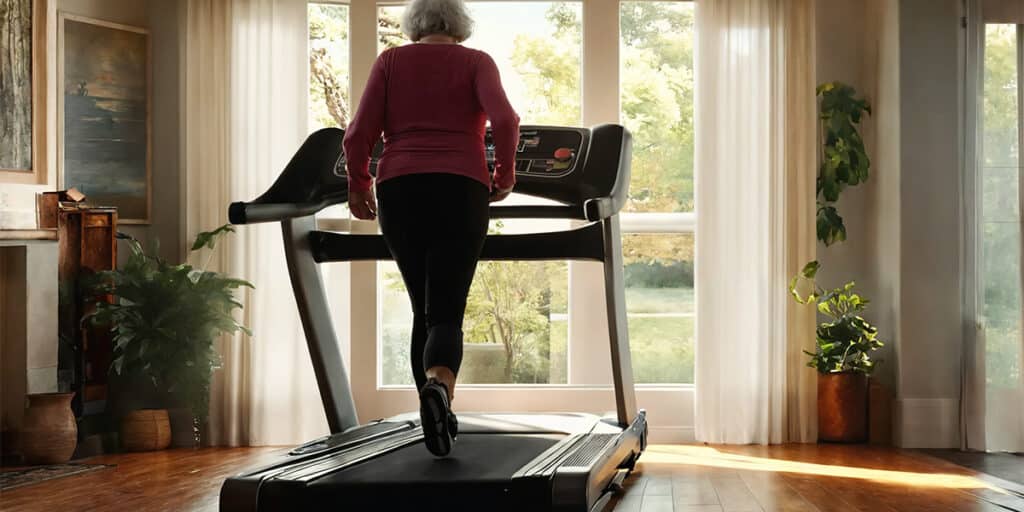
(592, 448)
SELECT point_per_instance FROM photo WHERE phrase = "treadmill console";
(545, 152)
(570, 165)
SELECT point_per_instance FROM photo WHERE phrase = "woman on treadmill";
(431, 100)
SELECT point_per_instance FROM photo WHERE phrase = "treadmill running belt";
(412, 479)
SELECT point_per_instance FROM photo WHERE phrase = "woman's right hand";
(362, 204)
(497, 194)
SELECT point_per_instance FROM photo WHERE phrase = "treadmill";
(501, 462)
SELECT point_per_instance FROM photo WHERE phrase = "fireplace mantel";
(14, 235)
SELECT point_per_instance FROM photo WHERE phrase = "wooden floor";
(824, 478)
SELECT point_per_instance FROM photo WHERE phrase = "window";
(656, 98)
(328, 66)
(537, 48)
(329, 104)
(659, 306)
(656, 88)
(560, 362)
(528, 299)
(1000, 227)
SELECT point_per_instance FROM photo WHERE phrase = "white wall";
(930, 38)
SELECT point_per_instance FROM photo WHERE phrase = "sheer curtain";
(755, 164)
(245, 113)
(993, 205)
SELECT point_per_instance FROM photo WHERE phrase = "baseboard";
(927, 423)
(671, 435)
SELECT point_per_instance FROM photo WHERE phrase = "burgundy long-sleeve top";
(432, 102)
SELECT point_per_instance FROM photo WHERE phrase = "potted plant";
(164, 319)
(842, 357)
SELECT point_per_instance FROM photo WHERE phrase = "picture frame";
(104, 114)
(35, 64)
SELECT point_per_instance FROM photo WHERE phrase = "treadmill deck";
(507, 461)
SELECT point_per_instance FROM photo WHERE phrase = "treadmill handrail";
(252, 213)
(315, 179)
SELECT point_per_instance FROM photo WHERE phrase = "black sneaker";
(440, 426)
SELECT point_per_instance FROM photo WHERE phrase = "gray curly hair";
(425, 17)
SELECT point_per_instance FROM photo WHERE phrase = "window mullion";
(1020, 182)
(588, 323)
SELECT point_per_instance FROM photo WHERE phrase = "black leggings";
(435, 225)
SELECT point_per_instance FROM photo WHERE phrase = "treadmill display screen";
(547, 152)
(542, 151)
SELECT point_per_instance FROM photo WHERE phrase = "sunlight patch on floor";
(711, 457)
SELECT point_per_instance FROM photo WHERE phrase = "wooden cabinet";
(88, 244)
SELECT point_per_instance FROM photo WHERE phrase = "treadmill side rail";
(241, 492)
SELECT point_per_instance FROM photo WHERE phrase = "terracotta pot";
(145, 430)
(842, 407)
(48, 432)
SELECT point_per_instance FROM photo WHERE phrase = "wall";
(28, 341)
(161, 18)
(930, 222)
(164, 26)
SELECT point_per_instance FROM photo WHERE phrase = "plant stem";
(208, 258)
(846, 353)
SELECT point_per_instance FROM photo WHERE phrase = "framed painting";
(103, 114)
(23, 91)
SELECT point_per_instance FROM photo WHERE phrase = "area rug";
(14, 478)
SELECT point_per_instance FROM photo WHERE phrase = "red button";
(563, 154)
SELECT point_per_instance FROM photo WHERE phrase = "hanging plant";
(844, 161)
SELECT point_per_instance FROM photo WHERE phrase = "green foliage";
(844, 161)
(328, 65)
(830, 225)
(657, 93)
(845, 341)
(510, 304)
(389, 28)
(654, 274)
(164, 319)
(208, 239)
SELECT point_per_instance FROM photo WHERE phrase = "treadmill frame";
(599, 195)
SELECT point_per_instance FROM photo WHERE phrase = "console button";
(563, 154)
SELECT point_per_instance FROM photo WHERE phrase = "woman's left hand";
(362, 204)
